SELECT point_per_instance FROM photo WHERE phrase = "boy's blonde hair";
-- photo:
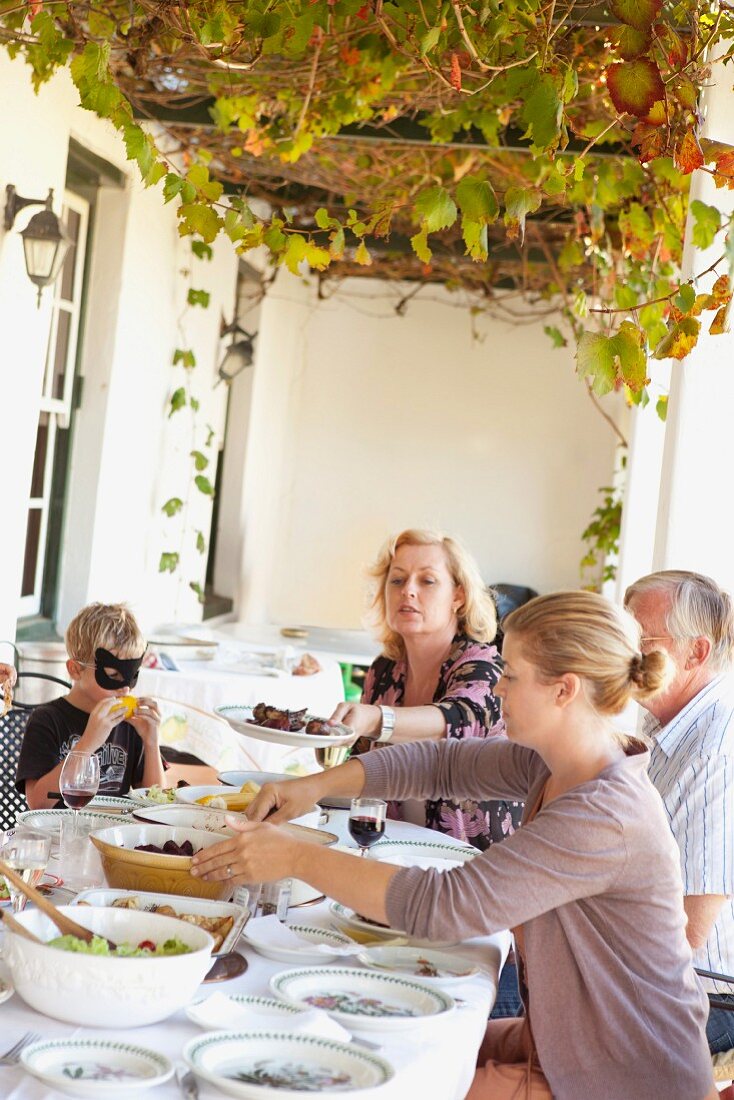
(109, 626)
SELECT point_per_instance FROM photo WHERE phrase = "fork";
(12, 1056)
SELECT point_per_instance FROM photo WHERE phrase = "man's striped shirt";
(692, 767)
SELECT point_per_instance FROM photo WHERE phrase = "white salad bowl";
(103, 990)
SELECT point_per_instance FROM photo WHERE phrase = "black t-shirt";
(52, 732)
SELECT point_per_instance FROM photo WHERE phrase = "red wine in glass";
(77, 799)
(366, 830)
(367, 822)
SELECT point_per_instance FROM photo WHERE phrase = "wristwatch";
(388, 725)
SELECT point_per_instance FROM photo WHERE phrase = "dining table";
(434, 1060)
(198, 687)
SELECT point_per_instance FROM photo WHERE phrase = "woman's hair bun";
(649, 672)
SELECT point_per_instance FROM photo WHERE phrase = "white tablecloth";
(435, 1062)
(208, 684)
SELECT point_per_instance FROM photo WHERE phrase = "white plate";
(139, 795)
(189, 796)
(411, 962)
(7, 989)
(335, 1069)
(351, 922)
(49, 821)
(202, 907)
(270, 1011)
(240, 719)
(310, 934)
(362, 999)
(422, 853)
(96, 1067)
(238, 779)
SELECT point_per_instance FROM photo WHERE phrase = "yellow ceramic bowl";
(127, 869)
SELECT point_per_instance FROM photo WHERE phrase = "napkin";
(222, 1013)
(270, 932)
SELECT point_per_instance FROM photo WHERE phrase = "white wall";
(365, 422)
(127, 456)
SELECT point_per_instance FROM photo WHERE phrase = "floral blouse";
(464, 695)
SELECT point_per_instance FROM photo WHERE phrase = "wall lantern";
(45, 240)
(240, 353)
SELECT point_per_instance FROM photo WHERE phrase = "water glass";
(27, 852)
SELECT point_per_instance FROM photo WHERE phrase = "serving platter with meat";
(223, 920)
(296, 728)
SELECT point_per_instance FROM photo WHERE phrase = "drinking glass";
(27, 852)
(331, 756)
(79, 781)
(367, 822)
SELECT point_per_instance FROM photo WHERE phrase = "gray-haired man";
(692, 761)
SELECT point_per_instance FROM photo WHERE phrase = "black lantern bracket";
(14, 203)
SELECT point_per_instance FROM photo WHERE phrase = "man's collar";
(669, 735)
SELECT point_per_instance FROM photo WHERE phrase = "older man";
(692, 761)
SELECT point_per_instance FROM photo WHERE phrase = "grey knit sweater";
(616, 1010)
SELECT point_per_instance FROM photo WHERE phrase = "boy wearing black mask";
(106, 649)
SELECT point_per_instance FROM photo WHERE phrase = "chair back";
(12, 732)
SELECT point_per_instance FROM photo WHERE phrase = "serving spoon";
(65, 925)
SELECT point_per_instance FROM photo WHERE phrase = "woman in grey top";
(590, 884)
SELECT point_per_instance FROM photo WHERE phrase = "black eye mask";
(128, 669)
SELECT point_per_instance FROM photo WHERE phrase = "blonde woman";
(590, 884)
(435, 677)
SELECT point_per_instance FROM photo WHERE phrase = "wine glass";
(79, 781)
(27, 852)
(331, 756)
(367, 822)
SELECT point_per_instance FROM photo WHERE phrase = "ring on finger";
(229, 871)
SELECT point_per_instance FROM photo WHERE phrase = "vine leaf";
(519, 202)
(178, 400)
(204, 485)
(198, 297)
(185, 357)
(680, 340)
(436, 209)
(688, 154)
(420, 246)
(196, 587)
(720, 323)
(556, 336)
(630, 42)
(200, 460)
(542, 112)
(640, 14)
(169, 562)
(595, 360)
(635, 86)
(706, 223)
(662, 407)
(628, 345)
(479, 207)
(612, 360)
(200, 542)
(650, 140)
(172, 506)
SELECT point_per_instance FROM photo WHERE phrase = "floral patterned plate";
(362, 999)
(47, 885)
(423, 853)
(251, 1065)
(97, 1068)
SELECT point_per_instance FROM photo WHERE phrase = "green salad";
(162, 795)
(99, 946)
